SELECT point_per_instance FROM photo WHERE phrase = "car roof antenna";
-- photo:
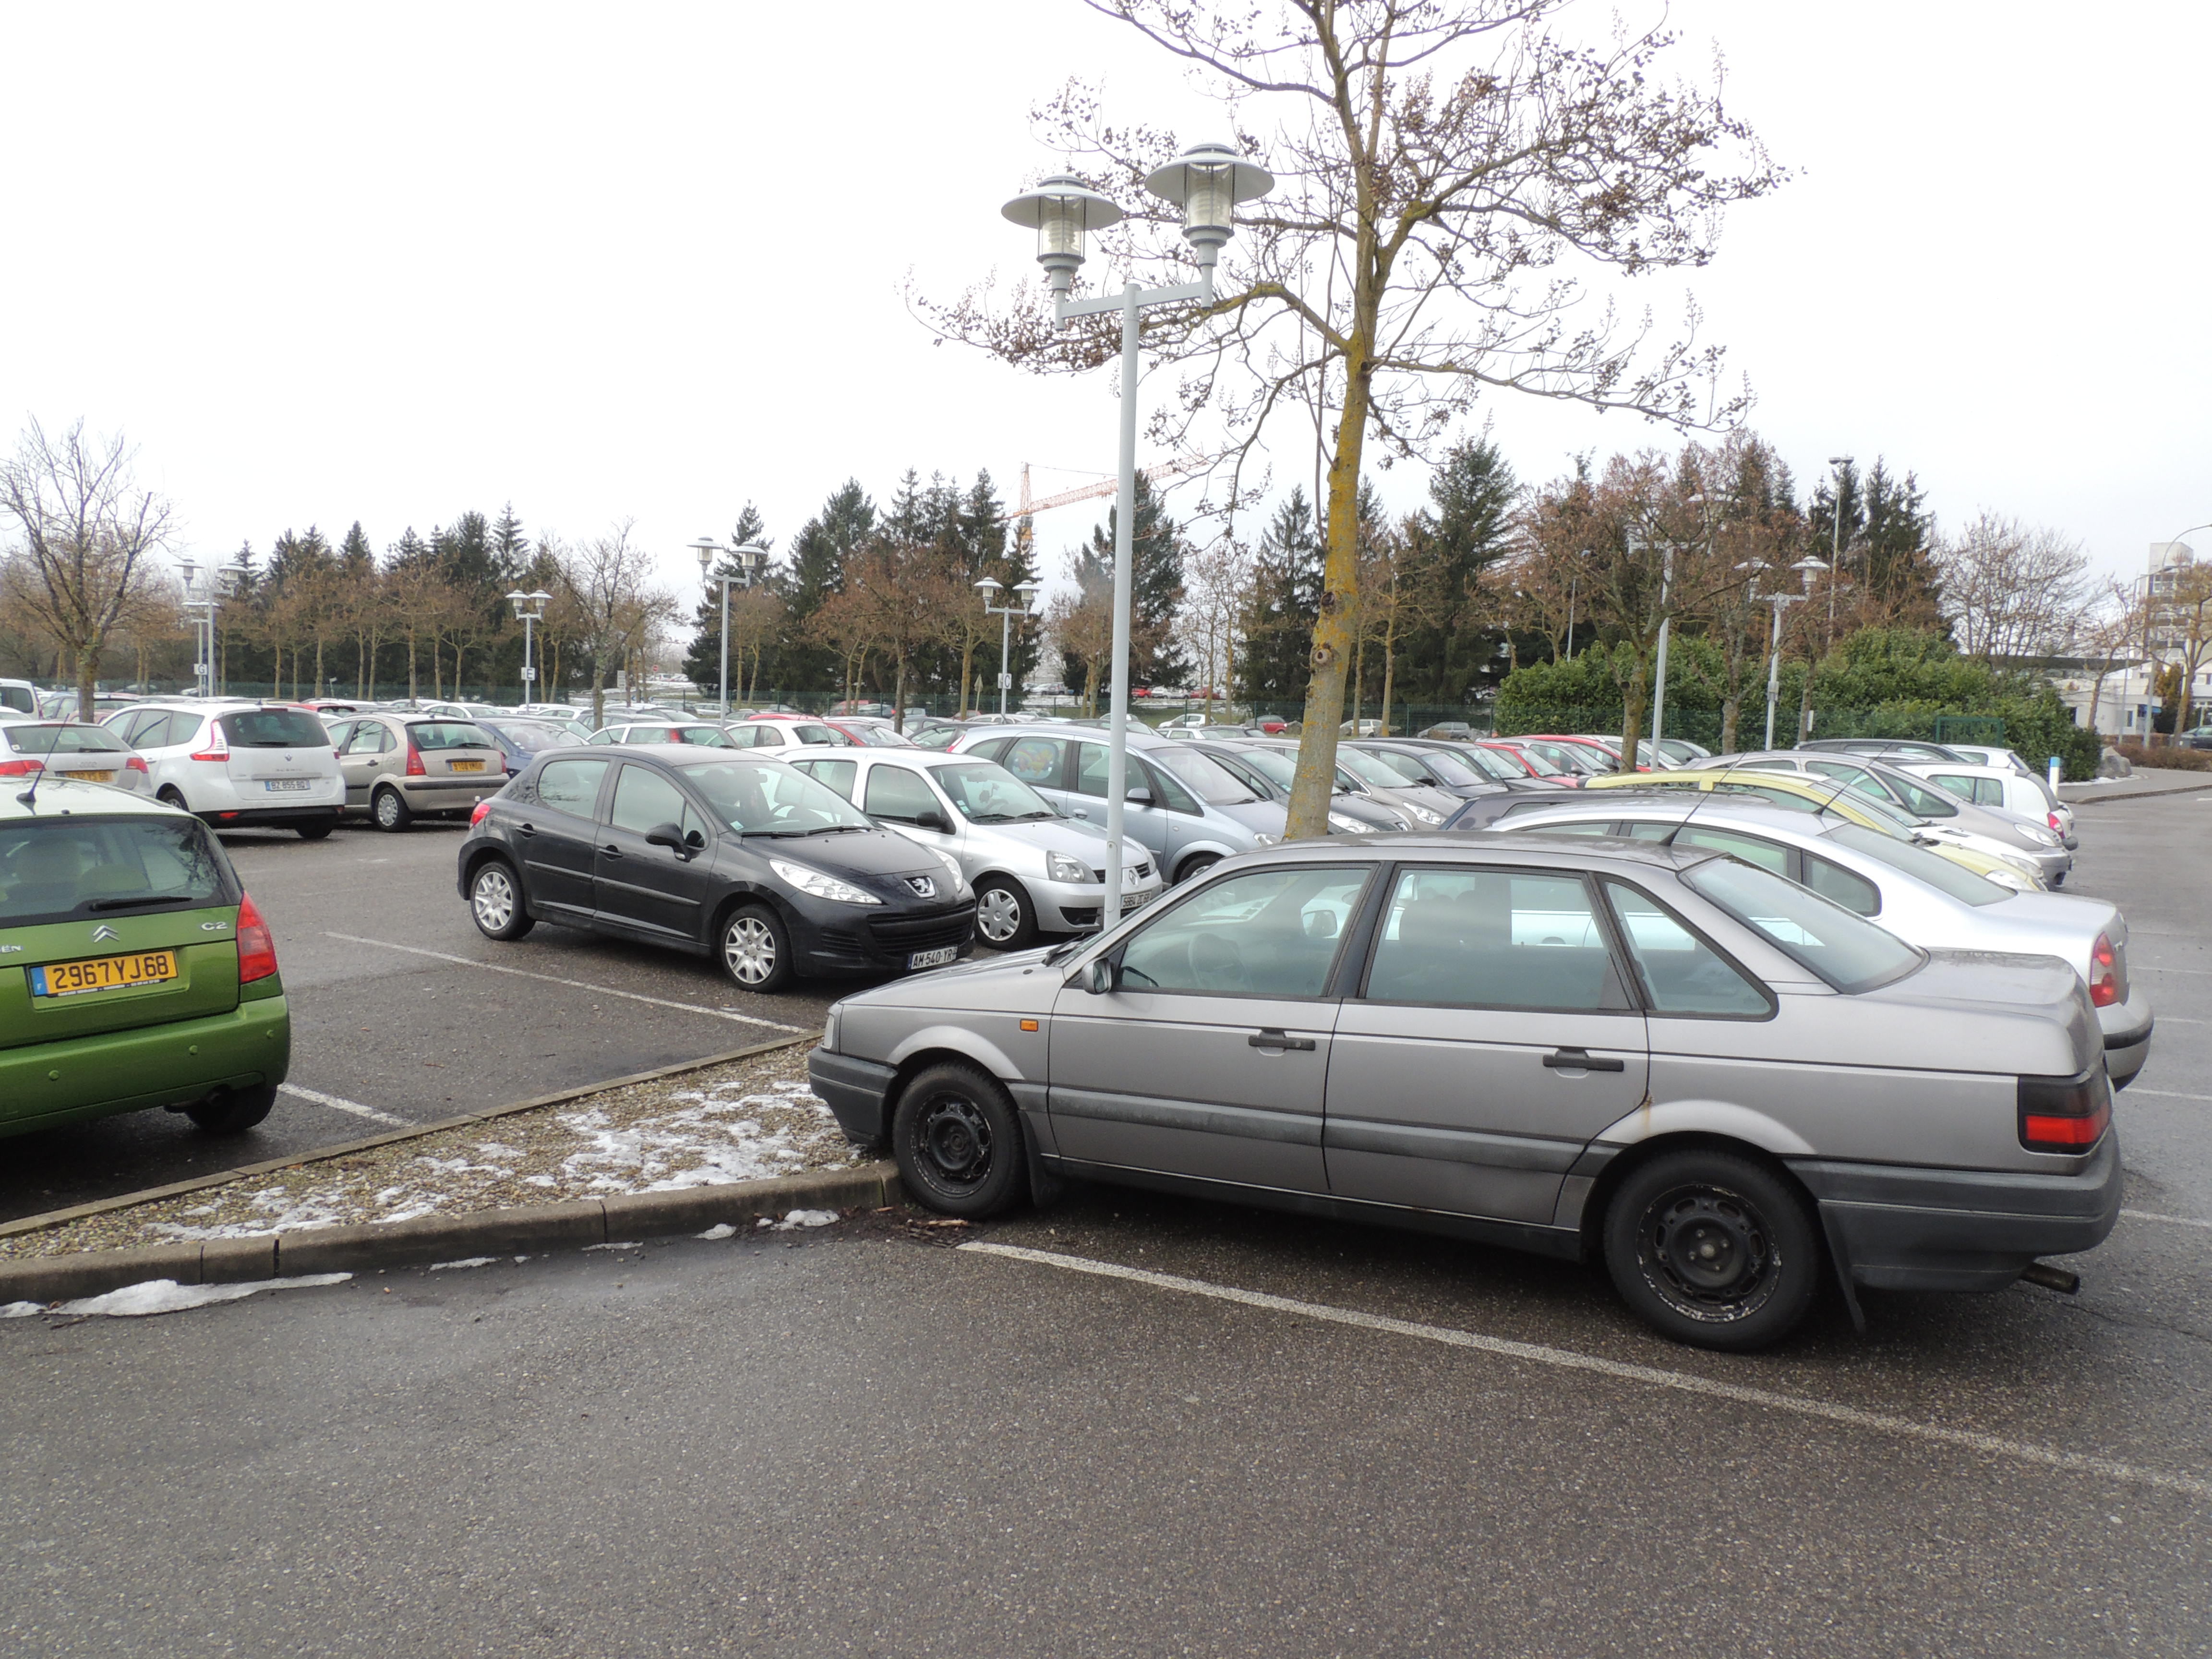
(30, 797)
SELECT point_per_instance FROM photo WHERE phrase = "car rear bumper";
(272, 817)
(858, 1091)
(1902, 1228)
(177, 1064)
(2127, 1028)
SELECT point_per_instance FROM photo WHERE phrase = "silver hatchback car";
(1719, 1082)
(1034, 871)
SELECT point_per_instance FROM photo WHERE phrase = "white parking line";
(2176, 1220)
(1536, 1354)
(2166, 1094)
(2160, 967)
(336, 1104)
(575, 984)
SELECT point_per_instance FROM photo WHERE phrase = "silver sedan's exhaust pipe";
(2053, 1279)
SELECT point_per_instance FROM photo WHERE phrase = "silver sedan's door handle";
(1578, 1060)
(1268, 1038)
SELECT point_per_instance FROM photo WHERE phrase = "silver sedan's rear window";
(1844, 949)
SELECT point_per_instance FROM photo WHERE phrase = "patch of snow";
(161, 1296)
(627, 1244)
(798, 1218)
(720, 1229)
(21, 1309)
(467, 1261)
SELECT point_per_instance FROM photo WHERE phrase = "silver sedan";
(1722, 1084)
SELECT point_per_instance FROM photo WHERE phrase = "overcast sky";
(392, 262)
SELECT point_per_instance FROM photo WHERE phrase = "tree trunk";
(414, 680)
(1635, 700)
(88, 671)
(1313, 785)
(1390, 675)
(899, 699)
(967, 666)
(1731, 708)
(598, 690)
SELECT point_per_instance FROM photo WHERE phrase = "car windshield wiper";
(838, 829)
(135, 903)
(777, 835)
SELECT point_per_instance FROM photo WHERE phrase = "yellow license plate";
(468, 766)
(90, 777)
(69, 978)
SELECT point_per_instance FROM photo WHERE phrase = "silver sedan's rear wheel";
(1713, 1250)
(495, 902)
(755, 950)
(1003, 915)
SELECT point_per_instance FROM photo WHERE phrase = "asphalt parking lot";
(402, 1013)
(1132, 1425)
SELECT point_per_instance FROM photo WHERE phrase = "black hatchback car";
(740, 857)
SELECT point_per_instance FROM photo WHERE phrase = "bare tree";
(1080, 625)
(86, 530)
(614, 607)
(2012, 591)
(2113, 626)
(903, 597)
(1442, 163)
(1217, 592)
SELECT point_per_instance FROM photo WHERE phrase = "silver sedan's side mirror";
(1099, 977)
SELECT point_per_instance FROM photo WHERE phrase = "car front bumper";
(1074, 907)
(857, 1091)
(844, 938)
(1898, 1227)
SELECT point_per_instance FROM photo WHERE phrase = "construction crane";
(1025, 538)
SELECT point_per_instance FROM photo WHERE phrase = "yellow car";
(1807, 794)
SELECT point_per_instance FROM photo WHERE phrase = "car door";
(1144, 821)
(1492, 1035)
(369, 751)
(555, 836)
(656, 892)
(1210, 1055)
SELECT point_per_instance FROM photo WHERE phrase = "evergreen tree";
(1887, 544)
(817, 570)
(1285, 603)
(1156, 587)
(510, 546)
(356, 556)
(1471, 501)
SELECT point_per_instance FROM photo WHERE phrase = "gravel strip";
(745, 1120)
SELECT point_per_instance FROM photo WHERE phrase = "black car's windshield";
(54, 868)
(1842, 947)
(62, 739)
(275, 728)
(1485, 764)
(767, 798)
(986, 792)
(1371, 770)
(1209, 780)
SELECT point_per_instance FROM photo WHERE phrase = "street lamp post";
(751, 557)
(1807, 569)
(1206, 182)
(204, 588)
(988, 587)
(1836, 556)
(529, 610)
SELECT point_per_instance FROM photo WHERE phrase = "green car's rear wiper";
(132, 904)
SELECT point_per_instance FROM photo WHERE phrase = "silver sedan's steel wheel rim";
(749, 947)
(387, 810)
(494, 900)
(998, 914)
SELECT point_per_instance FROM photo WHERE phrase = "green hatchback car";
(135, 972)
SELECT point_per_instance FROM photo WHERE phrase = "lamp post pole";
(751, 558)
(529, 610)
(1805, 569)
(1836, 555)
(1206, 181)
(988, 587)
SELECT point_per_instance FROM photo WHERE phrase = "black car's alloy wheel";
(495, 902)
(755, 949)
(959, 1143)
(1713, 1250)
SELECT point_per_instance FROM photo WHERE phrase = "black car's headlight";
(820, 885)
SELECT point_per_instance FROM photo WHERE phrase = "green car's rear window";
(53, 869)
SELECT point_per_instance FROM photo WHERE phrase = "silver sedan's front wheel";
(755, 950)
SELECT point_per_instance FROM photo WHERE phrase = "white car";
(1034, 871)
(2005, 788)
(239, 765)
(19, 697)
(1924, 899)
(69, 749)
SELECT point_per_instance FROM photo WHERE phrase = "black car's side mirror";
(1101, 976)
(668, 836)
(936, 821)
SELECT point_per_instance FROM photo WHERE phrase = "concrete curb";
(50, 1219)
(2139, 794)
(526, 1228)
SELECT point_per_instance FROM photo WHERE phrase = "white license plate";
(1131, 901)
(933, 958)
(275, 785)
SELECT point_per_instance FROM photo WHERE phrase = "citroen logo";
(104, 932)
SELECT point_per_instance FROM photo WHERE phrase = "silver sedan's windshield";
(986, 792)
(1917, 861)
